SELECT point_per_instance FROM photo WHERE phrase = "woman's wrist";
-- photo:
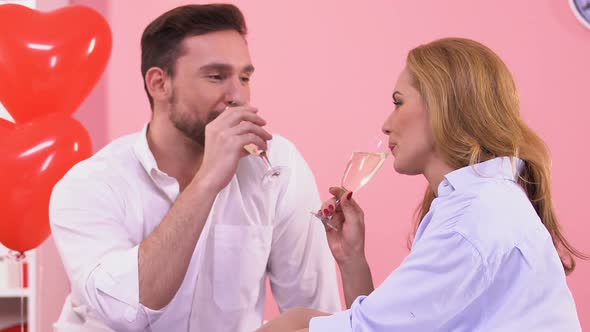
(353, 264)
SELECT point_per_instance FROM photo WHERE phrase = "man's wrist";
(205, 183)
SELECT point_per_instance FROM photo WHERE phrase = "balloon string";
(20, 258)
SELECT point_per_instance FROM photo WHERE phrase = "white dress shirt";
(481, 261)
(105, 206)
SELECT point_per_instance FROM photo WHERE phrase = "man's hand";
(225, 138)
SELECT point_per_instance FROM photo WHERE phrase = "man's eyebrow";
(225, 67)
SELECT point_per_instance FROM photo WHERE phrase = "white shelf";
(14, 292)
(10, 314)
(11, 299)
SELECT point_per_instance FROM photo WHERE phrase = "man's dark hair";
(162, 38)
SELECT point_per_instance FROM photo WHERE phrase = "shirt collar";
(144, 154)
(502, 168)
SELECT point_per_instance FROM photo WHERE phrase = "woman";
(488, 253)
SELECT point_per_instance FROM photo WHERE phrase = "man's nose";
(236, 94)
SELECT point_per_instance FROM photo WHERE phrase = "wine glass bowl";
(360, 169)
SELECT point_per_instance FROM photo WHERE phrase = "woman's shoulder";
(499, 216)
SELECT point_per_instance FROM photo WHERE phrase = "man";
(171, 229)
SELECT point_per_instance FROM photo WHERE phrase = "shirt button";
(130, 314)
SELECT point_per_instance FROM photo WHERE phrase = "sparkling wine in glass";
(360, 169)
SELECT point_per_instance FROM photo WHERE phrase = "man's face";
(213, 72)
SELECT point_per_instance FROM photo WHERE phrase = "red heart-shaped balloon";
(33, 157)
(5, 126)
(49, 62)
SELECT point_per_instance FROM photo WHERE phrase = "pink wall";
(52, 281)
(325, 73)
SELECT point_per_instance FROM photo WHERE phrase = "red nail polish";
(331, 207)
(326, 212)
(349, 196)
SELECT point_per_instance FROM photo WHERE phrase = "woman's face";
(408, 127)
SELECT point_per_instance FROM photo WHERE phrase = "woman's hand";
(347, 238)
(295, 319)
(347, 243)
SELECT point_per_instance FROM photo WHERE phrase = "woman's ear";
(158, 84)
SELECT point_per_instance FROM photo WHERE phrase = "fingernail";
(349, 196)
(326, 212)
(331, 207)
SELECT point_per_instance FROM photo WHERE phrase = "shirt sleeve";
(429, 291)
(301, 267)
(100, 257)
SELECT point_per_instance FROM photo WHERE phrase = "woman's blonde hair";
(475, 115)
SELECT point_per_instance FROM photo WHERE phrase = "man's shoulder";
(283, 150)
(280, 142)
(114, 159)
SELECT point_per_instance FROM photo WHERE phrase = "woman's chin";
(404, 169)
(398, 166)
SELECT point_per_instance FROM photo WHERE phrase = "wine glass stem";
(265, 158)
(337, 204)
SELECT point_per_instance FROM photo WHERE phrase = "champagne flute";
(272, 172)
(360, 169)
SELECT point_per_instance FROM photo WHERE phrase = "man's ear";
(158, 84)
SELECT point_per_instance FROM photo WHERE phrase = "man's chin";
(196, 135)
(196, 131)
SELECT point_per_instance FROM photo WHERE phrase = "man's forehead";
(216, 41)
(222, 47)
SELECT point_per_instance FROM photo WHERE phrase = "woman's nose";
(386, 128)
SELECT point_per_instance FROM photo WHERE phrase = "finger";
(249, 127)
(238, 108)
(319, 215)
(328, 227)
(243, 107)
(337, 220)
(329, 206)
(337, 191)
(250, 138)
(328, 222)
(350, 208)
(234, 115)
(348, 199)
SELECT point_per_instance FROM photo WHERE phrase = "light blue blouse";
(481, 261)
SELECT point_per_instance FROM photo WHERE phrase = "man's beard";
(192, 128)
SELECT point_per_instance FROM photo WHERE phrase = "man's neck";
(175, 154)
